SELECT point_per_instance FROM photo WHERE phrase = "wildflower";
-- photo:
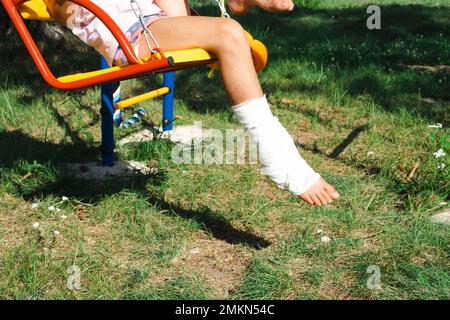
(371, 154)
(63, 217)
(441, 166)
(35, 205)
(56, 233)
(51, 208)
(435, 126)
(319, 231)
(35, 225)
(325, 239)
(195, 251)
(444, 203)
(58, 210)
(440, 153)
(64, 198)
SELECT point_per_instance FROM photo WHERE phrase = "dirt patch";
(305, 138)
(122, 169)
(12, 228)
(338, 289)
(220, 264)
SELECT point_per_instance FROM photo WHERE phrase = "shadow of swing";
(305, 35)
(341, 147)
(22, 148)
(347, 141)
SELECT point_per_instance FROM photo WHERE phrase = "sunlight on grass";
(358, 103)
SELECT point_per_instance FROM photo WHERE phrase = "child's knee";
(231, 34)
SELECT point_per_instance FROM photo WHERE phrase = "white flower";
(35, 205)
(63, 216)
(370, 154)
(441, 166)
(195, 251)
(58, 210)
(51, 208)
(56, 233)
(443, 203)
(35, 225)
(440, 153)
(64, 198)
(325, 239)
(319, 231)
(435, 126)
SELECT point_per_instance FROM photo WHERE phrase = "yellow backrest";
(35, 10)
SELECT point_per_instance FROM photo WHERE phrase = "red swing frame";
(135, 67)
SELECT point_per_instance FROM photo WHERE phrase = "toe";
(322, 199)
(327, 196)
(307, 198)
(316, 200)
(331, 191)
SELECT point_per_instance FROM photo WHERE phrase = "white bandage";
(277, 152)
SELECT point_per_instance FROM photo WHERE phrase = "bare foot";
(320, 194)
(243, 6)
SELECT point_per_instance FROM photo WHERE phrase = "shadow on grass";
(213, 224)
(41, 163)
(364, 62)
(361, 61)
(339, 149)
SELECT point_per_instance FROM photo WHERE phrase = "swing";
(158, 62)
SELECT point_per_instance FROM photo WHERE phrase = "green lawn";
(359, 108)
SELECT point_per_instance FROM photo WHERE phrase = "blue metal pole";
(107, 111)
(169, 81)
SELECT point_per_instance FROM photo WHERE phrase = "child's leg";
(223, 37)
(174, 8)
(243, 6)
(277, 151)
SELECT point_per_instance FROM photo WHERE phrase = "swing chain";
(147, 33)
(223, 9)
(140, 15)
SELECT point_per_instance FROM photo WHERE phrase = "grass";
(356, 104)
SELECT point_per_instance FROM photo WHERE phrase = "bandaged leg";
(277, 152)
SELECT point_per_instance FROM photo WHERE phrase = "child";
(226, 39)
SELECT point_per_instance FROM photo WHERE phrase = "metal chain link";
(147, 33)
(140, 15)
(223, 9)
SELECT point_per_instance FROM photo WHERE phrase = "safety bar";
(123, 104)
(108, 22)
